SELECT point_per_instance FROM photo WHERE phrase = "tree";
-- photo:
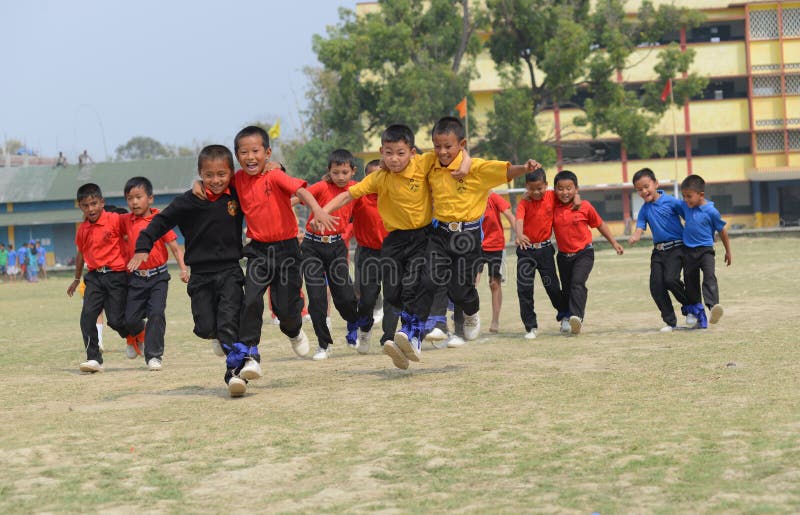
(13, 145)
(403, 63)
(564, 46)
(142, 147)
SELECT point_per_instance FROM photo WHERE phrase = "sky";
(91, 74)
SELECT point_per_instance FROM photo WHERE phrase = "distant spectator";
(3, 260)
(61, 161)
(11, 268)
(33, 269)
(41, 259)
(84, 159)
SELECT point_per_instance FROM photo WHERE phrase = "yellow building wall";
(770, 160)
(767, 109)
(713, 116)
(764, 52)
(793, 109)
(791, 50)
(794, 159)
(594, 174)
(721, 59)
(723, 168)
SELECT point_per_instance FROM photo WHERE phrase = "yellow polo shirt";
(464, 200)
(404, 198)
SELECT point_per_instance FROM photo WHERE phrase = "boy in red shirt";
(575, 253)
(325, 262)
(493, 249)
(535, 252)
(147, 286)
(99, 242)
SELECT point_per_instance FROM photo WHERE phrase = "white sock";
(100, 333)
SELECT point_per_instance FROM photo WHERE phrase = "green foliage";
(308, 159)
(142, 147)
(12, 146)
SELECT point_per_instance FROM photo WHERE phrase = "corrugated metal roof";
(37, 184)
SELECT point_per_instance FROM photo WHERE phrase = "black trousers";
(147, 298)
(402, 267)
(454, 259)
(696, 260)
(528, 262)
(274, 265)
(216, 303)
(574, 272)
(104, 292)
(368, 284)
(325, 266)
(665, 278)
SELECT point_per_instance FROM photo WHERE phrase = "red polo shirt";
(133, 225)
(101, 243)
(494, 235)
(323, 192)
(537, 216)
(367, 222)
(572, 227)
(266, 203)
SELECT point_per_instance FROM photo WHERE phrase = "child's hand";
(271, 165)
(198, 190)
(618, 248)
(576, 201)
(326, 221)
(634, 239)
(136, 260)
(728, 259)
(532, 165)
(523, 242)
(463, 170)
(185, 275)
(72, 287)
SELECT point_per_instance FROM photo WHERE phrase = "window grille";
(766, 86)
(764, 24)
(793, 84)
(766, 67)
(791, 22)
(769, 141)
(770, 122)
(794, 140)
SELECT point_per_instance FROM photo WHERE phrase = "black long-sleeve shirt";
(212, 230)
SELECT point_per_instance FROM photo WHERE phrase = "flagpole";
(674, 137)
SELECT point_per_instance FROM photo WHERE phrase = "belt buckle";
(536, 245)
(325, 239)
(454, 226)
(659, 246)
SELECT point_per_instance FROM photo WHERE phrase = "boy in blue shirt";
(662, 212)
(702, 221)
(11, 267)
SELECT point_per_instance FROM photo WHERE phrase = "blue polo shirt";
(12, 258)
(664, 217)
(701, 224)
(22, 256)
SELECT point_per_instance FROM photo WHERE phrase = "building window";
(766, 86)
(724, 88)
(721, 144)
(794, 140)
(714, 32)
(769, 141)
(764, 24)
(793, 84)
(791, 22)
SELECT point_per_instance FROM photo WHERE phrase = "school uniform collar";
(101, 220)
(212, 197)
(149, 216)
(454, 165)
(409, 171)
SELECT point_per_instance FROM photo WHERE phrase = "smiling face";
(447, 146)
(566, 190)
(139, 201)
(647, 189)
(536, 189)
(216, 175)
(252, 155)
(693, 198)
(341, 174)
(92, 207)
(396, 155)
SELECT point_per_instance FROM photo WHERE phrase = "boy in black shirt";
(212, 228)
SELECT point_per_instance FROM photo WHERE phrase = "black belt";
(150, 272)
(102, 270)
(666, 245)
(319, 238)
(570, 254)
(460, 226)
(540, 245)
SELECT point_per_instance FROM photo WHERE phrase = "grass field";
(620, 419)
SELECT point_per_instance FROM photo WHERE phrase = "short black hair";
(537, 175)
(449, 125)
(251, 130)
(566, 175)
(694, 183)
(398, 132)
(89, 190)
(139, 182)
(341, 156)
(375, 163)
(214, 152)
(644, 172)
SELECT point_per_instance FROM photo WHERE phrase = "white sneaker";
(322, 354)
(306, 318)
(455, 341)
(408, 347)
(398, 358)
(575, 324)
(154, 364)
(91, 366)
(716, 313)
(217, 348)
(377, 315)
(666, 329)
(130, 352)
(300, 344)
(565, 328)
(276, 321)
(435, 335)
(530, 335)
(472, 326)
(251, 370)
(363, 341)
(691, 321)
(237, 386)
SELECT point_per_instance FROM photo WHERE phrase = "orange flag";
(461, 107)
(667, 90)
